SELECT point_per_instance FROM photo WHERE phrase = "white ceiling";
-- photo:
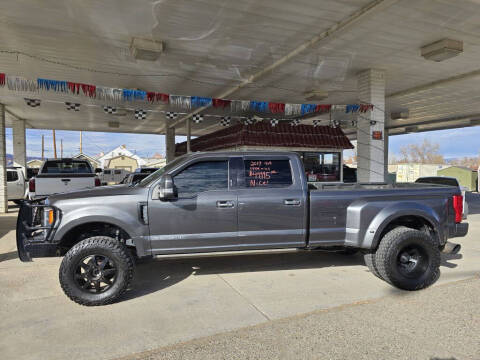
(214, 45)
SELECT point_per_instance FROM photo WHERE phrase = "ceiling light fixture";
(144, 49)
(315, 95)
(442, 50)
(401, 115)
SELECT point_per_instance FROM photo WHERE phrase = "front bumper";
(459, 230)
(33, 239)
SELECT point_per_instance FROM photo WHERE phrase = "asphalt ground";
(265, 305)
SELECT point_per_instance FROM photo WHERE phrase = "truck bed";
(350, 214)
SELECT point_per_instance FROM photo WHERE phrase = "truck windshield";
(157, 174)
(66, 167)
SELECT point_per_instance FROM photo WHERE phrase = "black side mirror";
(167, 189)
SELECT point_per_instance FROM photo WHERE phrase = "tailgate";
(59, 183)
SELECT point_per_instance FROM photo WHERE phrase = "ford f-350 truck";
(230, 201)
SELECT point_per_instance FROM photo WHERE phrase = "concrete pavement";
(180, 299)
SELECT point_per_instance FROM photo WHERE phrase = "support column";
(170, 143)
(19, 145)
(3, 163)
(189, 134)
(385, 152)
(370, 151)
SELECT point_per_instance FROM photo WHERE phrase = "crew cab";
(62, 175)
(222, 201)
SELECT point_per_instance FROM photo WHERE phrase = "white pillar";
(385, 157)
(19, 146)
(3, 163)
(170, 143)
(370, 151)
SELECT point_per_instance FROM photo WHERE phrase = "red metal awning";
(262, 134)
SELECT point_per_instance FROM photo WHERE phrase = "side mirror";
(166, 188)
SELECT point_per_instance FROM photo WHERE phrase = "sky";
(453, 142)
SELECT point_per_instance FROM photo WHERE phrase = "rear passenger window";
(268, 173)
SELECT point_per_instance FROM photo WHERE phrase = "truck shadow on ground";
(160, 273)
(157, 274)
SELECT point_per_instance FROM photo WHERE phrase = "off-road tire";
(390, 265)
(103, 246)
(371, 264)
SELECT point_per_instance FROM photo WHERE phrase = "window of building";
(322, 166)
(202, 176)
(267, 173)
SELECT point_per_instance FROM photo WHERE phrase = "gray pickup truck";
(230, 201)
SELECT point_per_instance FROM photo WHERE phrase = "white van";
(113, 176)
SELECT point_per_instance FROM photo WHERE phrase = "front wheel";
(408, 259)
(96, 271)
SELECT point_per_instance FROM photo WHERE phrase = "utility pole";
(81, 143)
(54, 145)
(43, 148)
(61, 148)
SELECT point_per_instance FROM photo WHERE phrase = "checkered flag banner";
(197, 118)
(316, 123)
(295, 122)
(140, 114)
(109, 109)
(274, 122)
(171, 115)
(225, 121)
(72, 106)
(32, 102)
(249, 120)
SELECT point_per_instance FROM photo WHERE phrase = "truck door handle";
(225, 204)
(293, 202)
(66, 180)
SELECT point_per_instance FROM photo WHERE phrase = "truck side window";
(202, 176)
(12, 176)
(266, 173)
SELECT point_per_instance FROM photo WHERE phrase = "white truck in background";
(60, 176)
(16, 184)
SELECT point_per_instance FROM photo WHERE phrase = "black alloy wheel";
(95, 273)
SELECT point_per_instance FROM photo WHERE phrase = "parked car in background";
(146, 170)
(113, 176)
(134, 178)
(449, 181)
(16, 184)
(62, 175)
(220, 201)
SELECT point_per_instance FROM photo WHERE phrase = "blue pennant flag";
(129, 94)
(54, 85)
(198, 101)
(308, 108)
(260, 106)
(352, 108)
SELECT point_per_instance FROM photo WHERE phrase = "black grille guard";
(27, 243)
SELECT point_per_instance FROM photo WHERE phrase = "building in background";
(35, 164)
(410, 172)
(465, 176)
(122, 158)
(156, 161)
(94, 162)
